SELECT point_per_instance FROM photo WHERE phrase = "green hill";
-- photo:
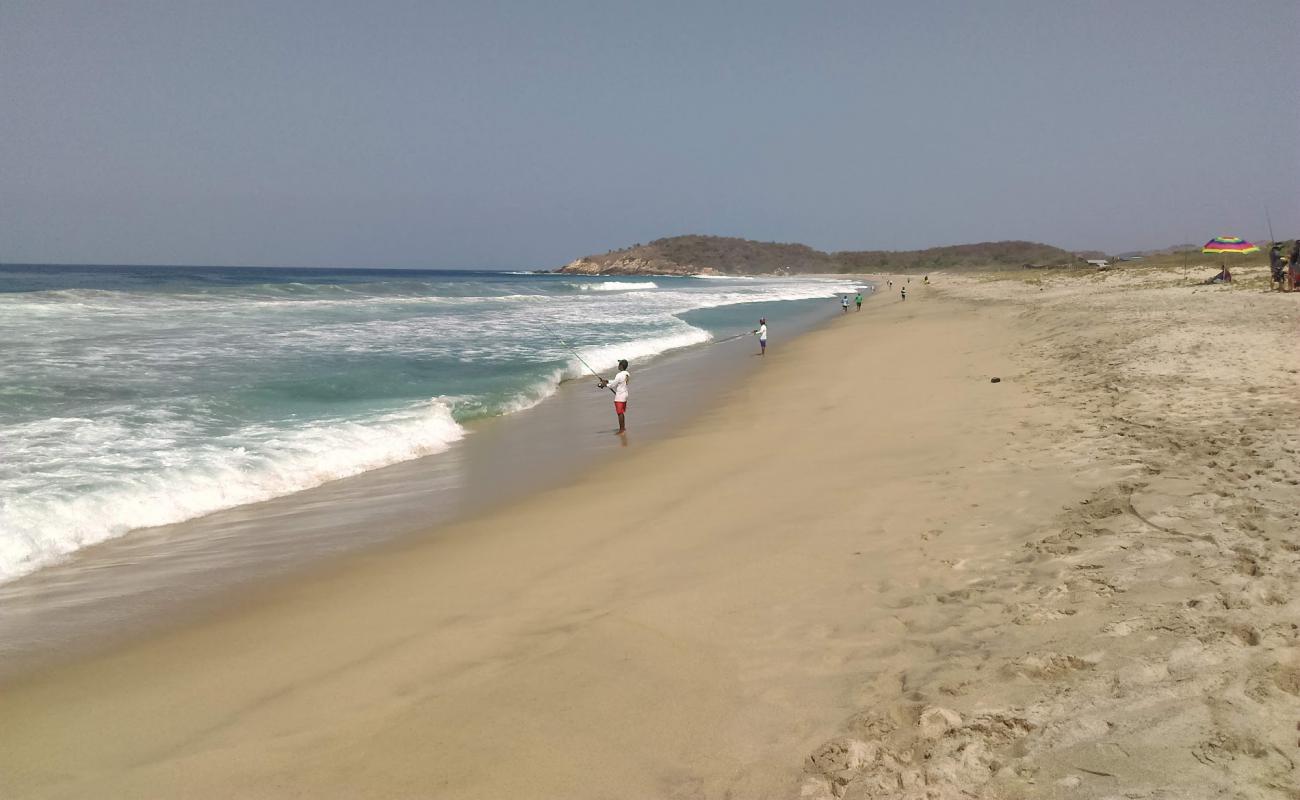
(728, 255)
(984, 255)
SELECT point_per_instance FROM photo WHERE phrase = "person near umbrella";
(1223, 276)
(1277, 267)
(1225, 245)
(1293, 268)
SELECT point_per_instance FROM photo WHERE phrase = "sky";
(484, 134)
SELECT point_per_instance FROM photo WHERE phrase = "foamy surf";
(259, 463)
(607, 356)
(603, 358)
(137, 397)
(618, 286)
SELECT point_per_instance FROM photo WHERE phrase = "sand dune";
(1144, 641)
(866, 572)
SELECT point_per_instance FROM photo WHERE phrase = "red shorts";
(620, 406)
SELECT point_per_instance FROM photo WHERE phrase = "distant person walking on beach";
(844, 303)
(618, 385)
(903, 292)
(858, 300)
(761, 333)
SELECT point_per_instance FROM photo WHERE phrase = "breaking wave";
(617, 286)
(47, 522)
(135, 398)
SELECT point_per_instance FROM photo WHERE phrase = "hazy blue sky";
(524, 134)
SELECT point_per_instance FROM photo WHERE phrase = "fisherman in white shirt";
(761, 333)
(618, 385)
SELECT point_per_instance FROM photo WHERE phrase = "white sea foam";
(767, 294)
(604, 357)
(45, 522)
(525, 298)
(534, 393)
(143, 435)
(617, 286)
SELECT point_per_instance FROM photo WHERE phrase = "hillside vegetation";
(720, 254)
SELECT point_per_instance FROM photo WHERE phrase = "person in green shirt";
(858, 300)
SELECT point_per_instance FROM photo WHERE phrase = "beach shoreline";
(865, 565)
(150, 580)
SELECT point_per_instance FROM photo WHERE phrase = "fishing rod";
(571, 349)
(1269, 219)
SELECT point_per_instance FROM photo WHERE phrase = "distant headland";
(722, 255)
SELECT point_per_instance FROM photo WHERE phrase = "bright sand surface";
(866, 571)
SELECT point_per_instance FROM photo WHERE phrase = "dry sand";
(867, 572)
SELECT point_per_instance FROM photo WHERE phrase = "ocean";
(133, 397)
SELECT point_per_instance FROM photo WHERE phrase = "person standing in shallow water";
(618, 385)
(761, 333)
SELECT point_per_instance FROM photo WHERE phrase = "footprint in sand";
(1123, 627)
(1287, 678)
(1239, 633)
(1048, 666)
(1030, 614)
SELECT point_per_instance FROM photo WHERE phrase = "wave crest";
(255, 465)
(605, 357)
(617, 286)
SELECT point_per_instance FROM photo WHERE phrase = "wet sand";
(864, 571)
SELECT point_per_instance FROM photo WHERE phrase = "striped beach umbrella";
(1229, 244)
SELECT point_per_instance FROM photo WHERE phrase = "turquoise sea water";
(140, 396)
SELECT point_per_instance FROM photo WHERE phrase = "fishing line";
(571, 349)
(731, 338)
